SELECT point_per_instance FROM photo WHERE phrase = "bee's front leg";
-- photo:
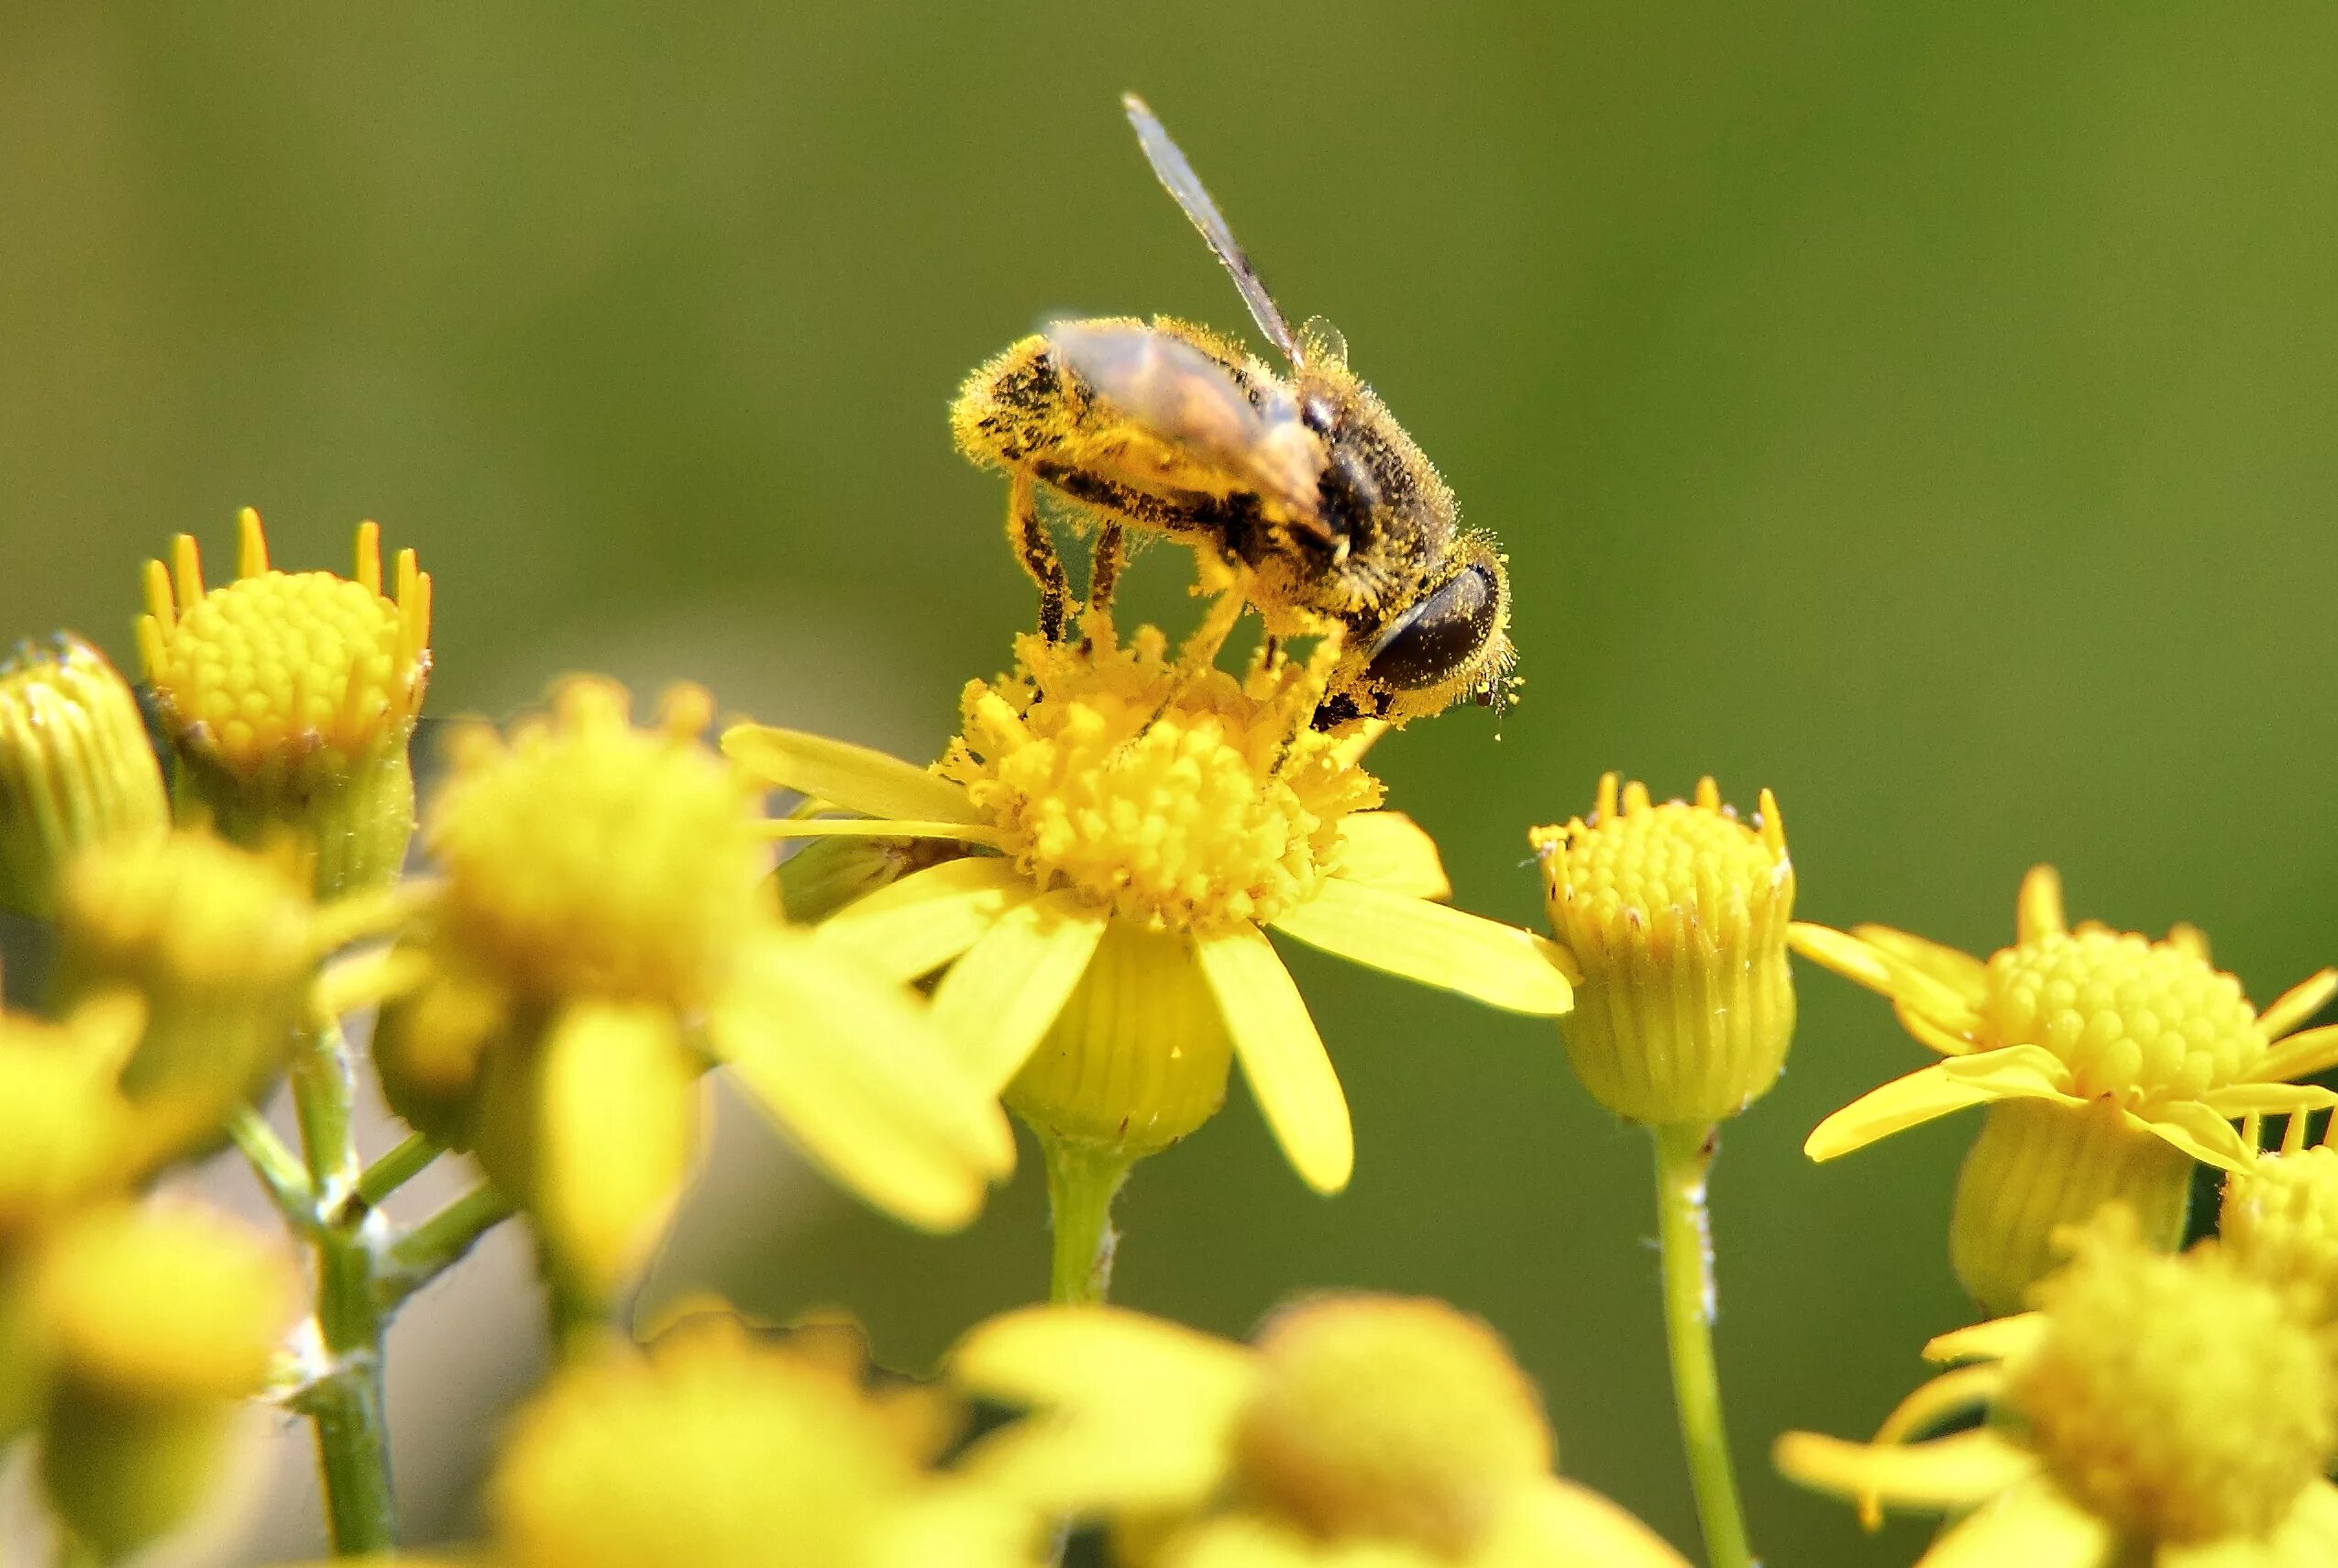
(1104, 569)
(1028, 534)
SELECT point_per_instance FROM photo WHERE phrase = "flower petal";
(1282, 1056)
(875, 827)
(2016, 1072)
(1950, 1394)
(1952, 968)
(1993, 1341)
(849, 1062)
(2236, 1100)
(1099, 1357)
(2037, 909)
(1561, 1524)
(2299, 1056)
(1389, 851)
(997, 1000)
(1841, 951)
(854, 778)
(2035, 1525)
(914, 926)
(2296, 1004)
(1902, 1103)
(1495, 964)
(1948, 1473)
(2192, 1127)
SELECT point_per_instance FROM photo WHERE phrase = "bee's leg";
(1201, 649)
(1028, 534)
(1270, 651)
(1104, 570)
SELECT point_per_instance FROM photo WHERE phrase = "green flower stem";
(1082, 1181)
(346, 1405)
(1683, 1158)
(278, 1169)
(435, 1245)
(396, 1168)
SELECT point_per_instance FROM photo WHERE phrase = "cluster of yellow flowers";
(1066, 917)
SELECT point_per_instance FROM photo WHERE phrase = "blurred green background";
(1925, 411)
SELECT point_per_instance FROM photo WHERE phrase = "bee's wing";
(1184, 185)
(1189, 400)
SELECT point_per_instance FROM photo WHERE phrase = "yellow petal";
(2299, 1056)
(851, 777)
(1945, 1042)
(1951, 1394)
(1495, 964)
(1898, 1105)
(2236, 1100)
(2299, 1003)
(2015, 1072)
(2188, 1125)
(1843, 953)
(1389, 851)
(1097, 1357)
(618, 1134)
(914, 926)
(1559, 1524)
(1282, 1056)
(1993, 1341)
(875, 827)
(2037, 910)
(1959, 971)
(850, 1063)
(2032, 1525)
(1949, 1472)
(996, 1001)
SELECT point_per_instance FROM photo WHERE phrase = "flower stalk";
(1683, 1160)
(1082, 1182)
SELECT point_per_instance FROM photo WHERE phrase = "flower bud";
(75, 766)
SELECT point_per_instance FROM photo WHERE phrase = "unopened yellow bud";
(1676, 914)
(1380, 1418)
(289, 698)
(75, 766)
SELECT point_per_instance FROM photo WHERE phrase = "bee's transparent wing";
(1177, 177)
(1193, 402)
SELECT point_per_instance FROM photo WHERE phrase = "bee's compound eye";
(1440, 635)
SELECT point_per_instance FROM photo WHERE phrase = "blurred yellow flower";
(2279, 1222)
(2110, 1062)
(598, 937)
(288, 699)
(2168, 1411)
(1147, 818)
(1675, 916)
(75, 766)
(1358, 1430)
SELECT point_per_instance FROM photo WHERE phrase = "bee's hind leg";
(1028, 534)
(1104, 569)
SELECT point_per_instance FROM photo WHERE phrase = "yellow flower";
(1676, 917)
(1149, 818)
(75, 766)
(2279, 1222)
(598, 937)
(2110, 1062)
(2168, 1411)
(716, 1451)
(1358, 1430)
(288, 699)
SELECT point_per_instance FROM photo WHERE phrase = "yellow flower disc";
(2138, 1020)
(2280, 1224)
(75, 767)
(164, 1303)
(588, 857)
(1389, 1418)
(2174, 1397)
(713, 1453)
(1161, 793)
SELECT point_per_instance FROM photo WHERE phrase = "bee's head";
(1451, 641)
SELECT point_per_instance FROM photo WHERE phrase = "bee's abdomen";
(1014, 408)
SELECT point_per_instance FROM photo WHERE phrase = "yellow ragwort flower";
(1356, 1429)
(2110, 1062)
(2279, 1221)
(75, 766)
(2158, 1411)
(718, 1451)
(1143, 820)
(288, 699)
(598, 938)
(1675, 916)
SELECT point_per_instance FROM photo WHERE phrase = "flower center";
(2131, 1018)
(1671, 877)
(1165, 793)
(588, 857)
(2280, 1225)
(1381, 1418)
(2174, 1397)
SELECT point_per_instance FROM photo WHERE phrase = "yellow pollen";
(277, 669)
(586, 857)
(1381, 1418)
(2174, 1397)
(2280, 1224)
(1166, 793)
(2136, 1020)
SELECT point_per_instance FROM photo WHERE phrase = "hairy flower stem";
(1082, 1181)
(347, 1404)
(1683, 1159)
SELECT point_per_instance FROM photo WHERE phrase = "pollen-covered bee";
(1300, 484)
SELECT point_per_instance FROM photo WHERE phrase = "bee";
(1296, 481)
